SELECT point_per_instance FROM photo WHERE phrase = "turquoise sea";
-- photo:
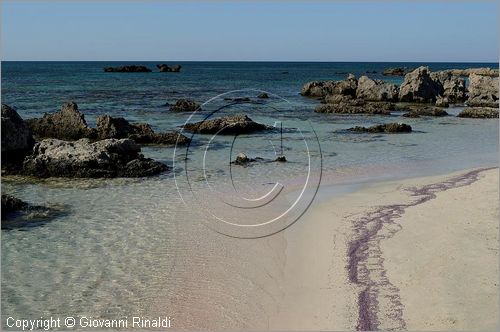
(123, 242)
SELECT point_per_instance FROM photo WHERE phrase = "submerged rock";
(483, 91)
(376, 90)
(263, 95)
(417, 111)
(109, 127)
(395, 71)
(227, 125)
(418, 86)
(11, 204)
(384, 128)
(185, 105)
(128, 69)
(242, 159)
(356, 106)
(479, 112)
(66, 124)
(83, 159)
(165, 68)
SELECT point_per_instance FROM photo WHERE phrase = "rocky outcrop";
(453, 86)
(492, 72)
(67, 124)
(321, 89)
(228, 125)
(11, 204)
(418, 86)
(442, 102)
(128, 69)
(384, 128)
(483, 91)
(109, 127)
(165, 68)
(395, 71)
(242, 159)
(418, 111)
(355, 106)
(16, 136)
(84, 159)
(185, 105)
(376, 90)
(479, 113)
(263, 95)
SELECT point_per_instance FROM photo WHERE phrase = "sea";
(167, 244)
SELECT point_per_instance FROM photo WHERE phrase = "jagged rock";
(242, 159)
(418, 111)
(493, 72)
(442, 102)
(165, 68)
(128, 69)
(324, 88)
(376, 90)
(418, 86)
(228, 125)
(11, 204)
(453, 86)
(263, 95)
(384, 128)
(17, 214)
(102, 159)
(185, 105)
(356, 106)
(16, 136)
(109, 127)
(483, 91)
(479, 112)
(395, 71)
(67, 124)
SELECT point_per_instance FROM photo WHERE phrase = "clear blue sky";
(296, 31)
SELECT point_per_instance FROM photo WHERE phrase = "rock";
(324, 88)
(384, 128)
(263, 95)
(356, 106)
(376, 90)
(11, 204)
(83, 159)
(442, 102)
(479, 112)
(242, 159)
(185, 105)
(281, 159)
(128, 69)
(16, 136)
(418, 86)
(483, 91)
(108, 127)
(478, 71)
(67, 124)
(418, 111)
(453, 86)
(395, 71)
(165, 68)
(228, 125)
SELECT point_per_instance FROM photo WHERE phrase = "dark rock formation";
(324, 88)
(355, 106)
(108, 127)
(483, 91)
(11, 204)
(242, 159)
(395, 72)
(67, 124)
(384, 128)
(185, 105)
(376, 90)
(442, 102)
(128, 69)
(418, 111)
(479, 113)
(453, 86)
(16, 136)
(263, 95)
(83, 159)
(165, 68)
(419, 86)
(228, 125)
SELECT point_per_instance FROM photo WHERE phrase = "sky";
(447, 31)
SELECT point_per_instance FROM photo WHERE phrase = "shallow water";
(125, 243)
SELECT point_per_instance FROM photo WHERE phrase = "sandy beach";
(417, 254)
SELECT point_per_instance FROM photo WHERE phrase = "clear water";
(130, 246)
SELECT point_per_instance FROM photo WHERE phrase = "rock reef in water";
(165, 68)
(376, 90)
(228, 125)
(83, 159)
(395, 71)
(128, 69)
(185, 105)
(479, 113)
(418, 86)
(483, 91)
(416, 111)
(384, 128)
(346, 105)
